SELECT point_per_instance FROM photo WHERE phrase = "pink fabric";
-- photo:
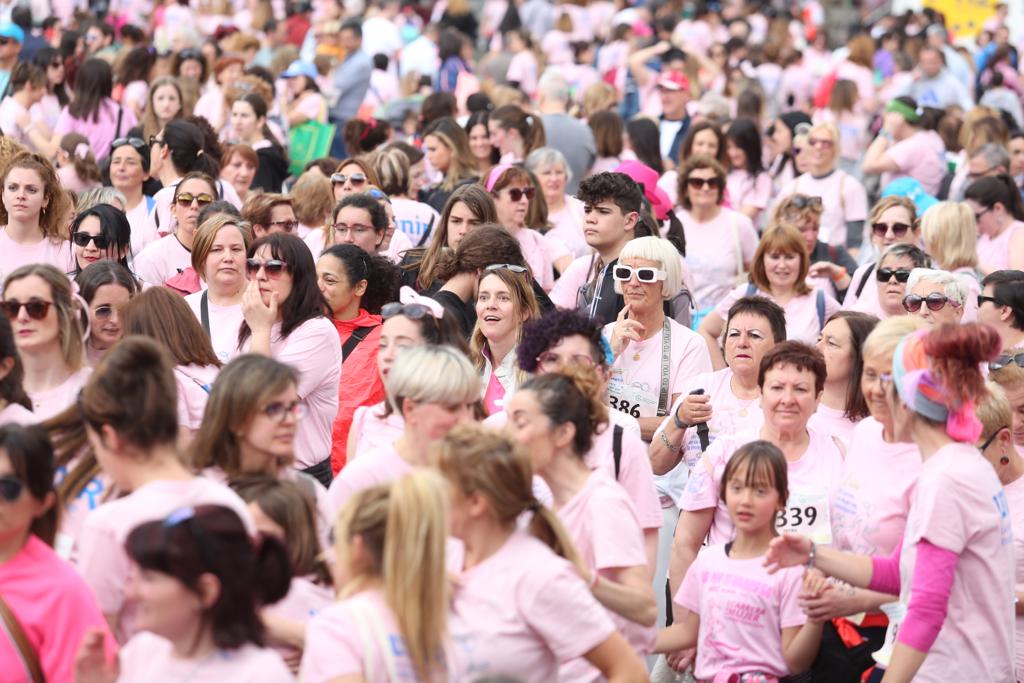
(522, 612)
(142, 234)
(885, 571)
(844, 199)
(832, 421)
(194, 385)
(161, 260)
(379, 466)
(802, 321)
(711, 252)
(742, 611)
(304, 601)
(134, 95)
(102, 560)
(867, 302)
(99, 132)
(538, 256)
(160, 220)
(995, 253)
(14, 255)
(148, 657)
(14, 412)
(922, 156)
(99, 490)
(53, 401)
(1015, 499)
(523, 70)
(567, 287)
(494, 395)
(225, 321)
(933, 579)
(55, 609)
(745, 188)
(69, 178)
(10, 112)
(373, 430)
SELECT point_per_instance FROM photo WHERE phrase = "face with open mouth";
(782, 268)
(496, 311)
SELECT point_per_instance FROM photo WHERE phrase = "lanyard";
(666, 360)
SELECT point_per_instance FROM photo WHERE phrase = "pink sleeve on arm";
(885, 572)
(929, 597)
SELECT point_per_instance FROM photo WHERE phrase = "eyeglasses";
(886, 274)
(82, 239)
(341, 178)
(991, 438)
(186, 199)
(934, 301)
(341, 229)
(272, 267)
(549, 362)
(517, 193)
(103, 312)
(138, 143)
(410, 311)
(644, 274)
(154, 140)
(980, 174)
(698, 183)
(982, 299)
(1007, 359)
(10, 489)
(506, 266)
(190, 53)
(820, 142)
(287, 226)
(979, 214)
(36, 308)
(802, 201)
(278, 410)
(882, 229)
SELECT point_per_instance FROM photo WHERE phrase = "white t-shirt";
(414, 217)
(148, 658)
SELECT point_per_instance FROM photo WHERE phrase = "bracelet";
(679, 423)
(812, 555)
(839, 274)
(668, 444)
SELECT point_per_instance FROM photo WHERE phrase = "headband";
(905, 110)
(407, 295)
(495, 173)
(370, 125)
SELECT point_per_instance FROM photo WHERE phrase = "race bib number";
(807, 513)
(634, 399)
(896, 612)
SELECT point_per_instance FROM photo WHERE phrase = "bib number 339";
(807, 513)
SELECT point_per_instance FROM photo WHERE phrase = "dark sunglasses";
(103, 312)
(886, 274)
(410, 311)
(1007, 359)
(517, 193)
(186, 199)
(36, 308)
(802, 201)
(138, 143)
(990, 439)
(154, 140)
(898, 229)
(273, 267)
(82, 239)
(355, 178)
(10, 489)
(698, 183)
(934, 301)
(982, 299)
(506, 266)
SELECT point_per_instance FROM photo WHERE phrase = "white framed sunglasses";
(645, 274)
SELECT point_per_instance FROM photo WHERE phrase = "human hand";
(624, 331)
(835, 600)
(258, 314)
(681, 659)
(91, 664)
(695, 409)
(787, 550)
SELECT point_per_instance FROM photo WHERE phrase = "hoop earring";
(1004, 460)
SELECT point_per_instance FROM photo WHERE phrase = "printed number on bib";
(806, 512)
(625, 406)
(638, 401)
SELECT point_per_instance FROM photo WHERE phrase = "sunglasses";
(36, 308)
(103, 312)
(287, 226)
(55, 65)
(517, 193)
(698, 183)
(802, 201)
(644, 274)
(278, 410)
(10, 489)
(1007, 359)
(819, 142)
(982, 299)
(549, 361)
(410, 311)
(886, 274)
(138, 143)
(881, 229)
(506, 266)
(272, 267)
(82, 239)
(934, 301)
(154, 140)
(186, 199)
(341, 178)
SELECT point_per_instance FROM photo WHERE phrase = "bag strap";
(204, 311)
(28, 654)
(426, 233)
(751, 289)
(820, 304)
(617, 448)
(736, 243)
(358, 335)
(120, 115)
(864, 280)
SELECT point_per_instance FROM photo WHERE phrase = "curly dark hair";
(545, 332)
(617, 187)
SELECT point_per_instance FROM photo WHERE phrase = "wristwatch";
(679, 423)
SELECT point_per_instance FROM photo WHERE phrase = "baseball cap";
(13, 32)
(673, 80)
(647, 178)
(300, 68)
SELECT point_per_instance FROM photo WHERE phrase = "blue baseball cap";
(12, 31)
(300, 68)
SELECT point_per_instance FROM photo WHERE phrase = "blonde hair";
(207, 233)
(994, 411)
(523, 301)
(832, 131)
(660, 251)
(886, 203)
(403, 528)
(950, 235)
(888, 333)
(1008, 377)
(314, 199)
(431, 374)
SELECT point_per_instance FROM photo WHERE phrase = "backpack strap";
(751, 289)
(358, 335)
(820, 304)
(150, 203)
(27, 653)
(204, 311)
(864, 280)
(426, 233)
(617, 448)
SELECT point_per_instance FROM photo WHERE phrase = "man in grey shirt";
(934, 85)
(351, 81)
(569, 136)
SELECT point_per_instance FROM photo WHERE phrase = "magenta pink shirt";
(869, 512)
(378, 466)
(521, 613)
(55, 608)
(102, 560)
(959, 505)
(102, 131)
(1015, 499)
(742, 610)
(802, 320)
(373, 430)
(148, 658)
(14, 255)
(995, 253)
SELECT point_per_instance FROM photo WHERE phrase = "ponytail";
(77, 147)
(547, 528)
(529, 126)
(572, 395)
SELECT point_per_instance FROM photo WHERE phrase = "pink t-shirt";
(745, 188)
(378, 466)
(16, 413)
(995, 253)
(14, 255)
(843, 197)
(142, 235)
(568, 227)
(729, 415)
(314, 350)
(867, 302)
(162, 259)
(742, 610)
(523, 70)
(565, 293)
(99, 490)
(348, 638)
(831, 421)
(70, 180)
(869, 511)
(373, 430)
(1015, 499)
(813, 480)
(521, 613)
(51, 402)
(304, 601)
(148, 658)
(55, 608)
(538, 255)
(225, 321)
(10, 111)
(635, 382)
(959, 506)
(711, 252)
(604, 528)
(922, 156)
(194, 385)
(802, 320)
(102, 131)
(102, 560)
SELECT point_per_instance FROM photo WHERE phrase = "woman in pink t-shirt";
(999, 212)
(201, 580)
(842, 403)
(908, 146)
(393, 587)
(748, 184)
(33, 208)
(512, 191)
(171, 255)
(47, 322)
(956, 554)
(743, 621)
(565, 212)
(106, 287)
(50, 601)
(92, 112)
(519, 608)
(892, 220)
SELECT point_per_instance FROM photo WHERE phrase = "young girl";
(742, 620)
(76, 164)
(748, 184)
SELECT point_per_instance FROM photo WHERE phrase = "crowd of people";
(510, 341)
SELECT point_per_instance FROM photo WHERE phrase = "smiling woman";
(98, 234)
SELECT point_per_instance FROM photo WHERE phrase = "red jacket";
(360, 385)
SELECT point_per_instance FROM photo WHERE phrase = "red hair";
(956, 352)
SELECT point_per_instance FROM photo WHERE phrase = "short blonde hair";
(207, 233)
(994, 411)
(953, 285)
(950, 235)
(832, 131)
(888, 333)
(660, 251)
(431, 374)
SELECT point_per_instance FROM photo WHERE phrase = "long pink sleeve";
(885, 572)
(929, 596)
